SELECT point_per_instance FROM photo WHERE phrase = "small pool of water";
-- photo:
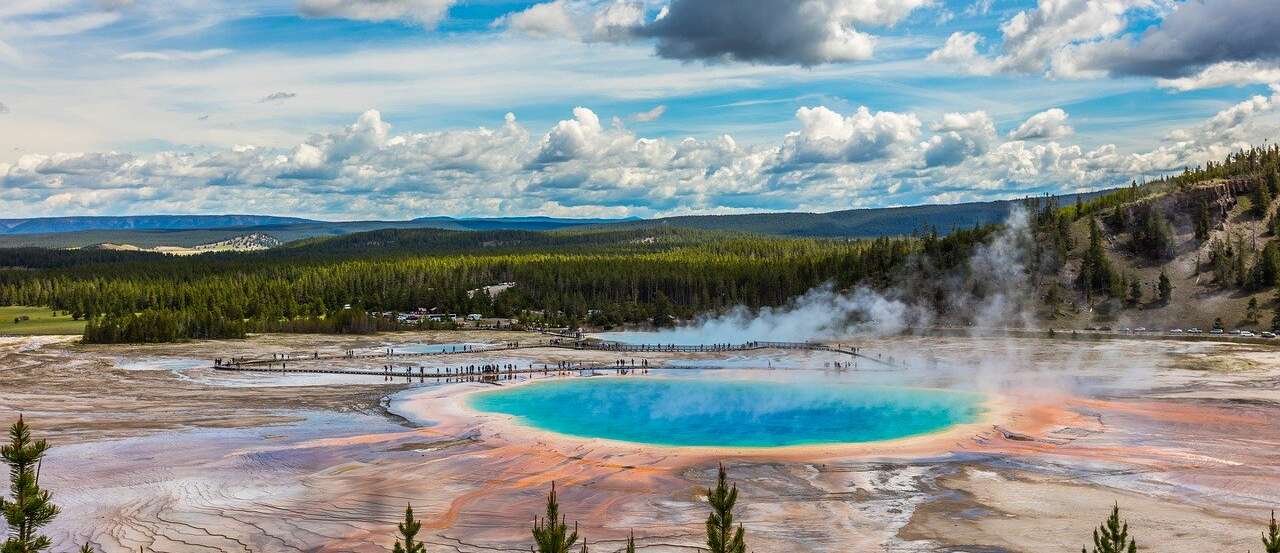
(176, 364)
(729, 413)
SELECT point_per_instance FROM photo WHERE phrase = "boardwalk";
(579, 345)
(461, 374)
(279, 363)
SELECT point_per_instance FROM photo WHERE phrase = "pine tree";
(1202, 220)
(30, 507)
(408, 531)
(1267, 268)
(1271, 539)
(1135, 292)
(1164, 287)
(721, 536)
(1240, 262)
(1261, 198)
(661, 310)
(551, 534)
(1095, 270)
(1251, 312)
(631, 540)
(1113, 536)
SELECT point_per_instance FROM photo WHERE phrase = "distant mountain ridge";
(152, 231)
(853, 223)
(860, 223)
(512, 223)
(46, 225)
(54, 225)
(148, 232)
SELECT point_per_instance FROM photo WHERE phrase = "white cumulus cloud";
(577, 20)
(1043, 39)
(960, 136)
(1227, 73)
(826, 136)
(1048, 124)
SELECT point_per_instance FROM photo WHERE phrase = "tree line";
(678, 273)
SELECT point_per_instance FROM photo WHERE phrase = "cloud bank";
(1048, 124)
(1197, 44)
(586, 166)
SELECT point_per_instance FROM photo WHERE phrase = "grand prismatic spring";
(729, 413)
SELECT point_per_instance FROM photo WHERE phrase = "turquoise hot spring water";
(729, 413)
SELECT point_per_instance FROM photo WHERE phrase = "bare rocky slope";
(1199, 296)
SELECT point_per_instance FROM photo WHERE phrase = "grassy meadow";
(40, 321)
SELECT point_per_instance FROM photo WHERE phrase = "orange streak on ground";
(369, 439)
(1172, 411)
(519, 459)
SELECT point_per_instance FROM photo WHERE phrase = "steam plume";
(994, 294)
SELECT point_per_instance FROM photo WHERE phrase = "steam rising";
(821, 313)
(996, 294)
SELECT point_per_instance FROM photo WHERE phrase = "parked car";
(1246, 333)
(1176, 331)
(1268, 335)
(1216, 331)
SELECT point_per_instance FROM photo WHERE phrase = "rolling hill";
(50, 225)
(187, 231)
(853, 223)
(859, 223)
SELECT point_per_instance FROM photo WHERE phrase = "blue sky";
(401, 108)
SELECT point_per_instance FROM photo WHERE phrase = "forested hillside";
(1178, 251)
(194, 230)
(857, 223)
(623, 275)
